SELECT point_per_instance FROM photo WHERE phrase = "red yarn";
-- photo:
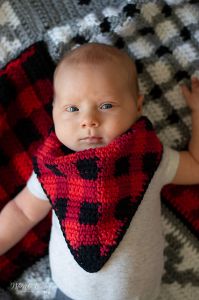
(96, 192)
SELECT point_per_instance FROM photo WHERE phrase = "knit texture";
(163, 38)
(96, 192)
(187, 212)
(25, 117)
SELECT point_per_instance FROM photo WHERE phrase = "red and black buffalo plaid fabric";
(96, 192)
(183, 201)
(25, 118)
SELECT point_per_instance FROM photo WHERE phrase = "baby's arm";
(19, 216)
(188, 170)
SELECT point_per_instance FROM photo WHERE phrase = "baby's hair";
(98, 53)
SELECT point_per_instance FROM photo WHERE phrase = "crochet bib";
(96, 192)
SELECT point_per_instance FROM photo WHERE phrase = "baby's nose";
(90, 120)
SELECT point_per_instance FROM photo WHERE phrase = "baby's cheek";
(59, 131)
(111, 135)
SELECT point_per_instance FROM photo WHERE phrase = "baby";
(101, 169)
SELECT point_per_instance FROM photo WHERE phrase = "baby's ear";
(140, 101)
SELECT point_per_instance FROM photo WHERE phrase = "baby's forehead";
(97, 54)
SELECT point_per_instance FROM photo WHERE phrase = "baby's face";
(92, 105)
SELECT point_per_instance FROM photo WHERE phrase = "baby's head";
(96, 96)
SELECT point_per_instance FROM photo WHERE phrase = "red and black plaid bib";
(96, 192)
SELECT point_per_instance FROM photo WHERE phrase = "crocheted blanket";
(163, 39)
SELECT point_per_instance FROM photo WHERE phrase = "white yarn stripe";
(7, 46)
(60, 34)
(8, 16)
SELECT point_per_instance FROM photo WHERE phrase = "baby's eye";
(106, 106)
(72, 109)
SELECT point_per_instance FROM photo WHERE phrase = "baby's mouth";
(92, 139)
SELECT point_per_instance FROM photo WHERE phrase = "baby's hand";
(192, 96)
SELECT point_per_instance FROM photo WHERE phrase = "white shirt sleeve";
(169, 165)
(35, 187)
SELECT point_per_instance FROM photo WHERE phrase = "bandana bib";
(96, 192)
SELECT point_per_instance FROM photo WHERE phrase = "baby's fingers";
(185, 91)
(195, 82)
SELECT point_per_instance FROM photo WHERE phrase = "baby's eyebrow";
(108, 96)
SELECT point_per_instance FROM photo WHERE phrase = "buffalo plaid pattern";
(183, 201)
(96, 192)
(25, 116)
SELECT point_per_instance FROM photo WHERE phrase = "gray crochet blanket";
(163, 36)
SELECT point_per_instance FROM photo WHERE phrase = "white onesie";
(134, 270)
